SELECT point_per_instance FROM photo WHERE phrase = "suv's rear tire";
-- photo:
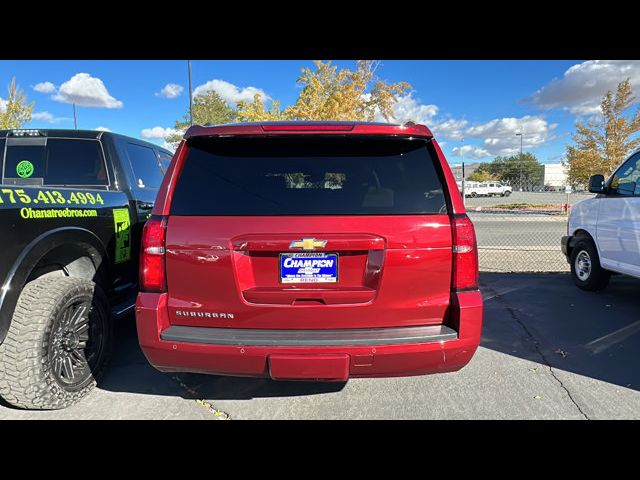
(586, 271)
(506, 194)
(58, 344)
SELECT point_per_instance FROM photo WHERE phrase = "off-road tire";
(506, 194)
(598, 277)
(26, 376)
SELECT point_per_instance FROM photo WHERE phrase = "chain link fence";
(521, 231)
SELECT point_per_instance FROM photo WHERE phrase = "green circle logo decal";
(24, 169)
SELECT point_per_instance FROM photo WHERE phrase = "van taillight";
(152, 271)
(465, 254)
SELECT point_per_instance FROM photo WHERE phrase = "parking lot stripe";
(499, 294)
(601, 344)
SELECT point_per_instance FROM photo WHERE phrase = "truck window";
(145, 166)
(626, 181)
(59, 161)
(74, 162)
(2, 142)
(165, 159)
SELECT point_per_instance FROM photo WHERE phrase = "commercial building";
(555, 175)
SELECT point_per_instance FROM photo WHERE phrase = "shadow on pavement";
(546, 318)
(140, 377)
(543, 318)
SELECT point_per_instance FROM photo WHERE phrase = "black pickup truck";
(72, 207)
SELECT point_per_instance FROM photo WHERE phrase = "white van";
(487, 189)
(603, 233)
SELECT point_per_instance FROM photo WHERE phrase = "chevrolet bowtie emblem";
(308, 244)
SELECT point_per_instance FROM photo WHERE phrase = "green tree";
(602, 143)
(332, 94)
(15, 110)
(526, 173)
(208, 107)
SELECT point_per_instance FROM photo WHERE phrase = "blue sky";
(476, 106)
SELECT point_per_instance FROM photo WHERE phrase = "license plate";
(308, 267)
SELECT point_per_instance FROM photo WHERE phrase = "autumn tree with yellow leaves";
(15, 110)
(257, 111)
(328, 93)
(602, 143)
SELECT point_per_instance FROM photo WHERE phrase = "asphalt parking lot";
(549, 351)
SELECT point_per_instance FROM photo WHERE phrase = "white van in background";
(486, 189)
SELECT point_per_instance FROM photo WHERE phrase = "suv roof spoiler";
(409, 129)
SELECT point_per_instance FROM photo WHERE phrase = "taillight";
(465, 254)
(152, 271)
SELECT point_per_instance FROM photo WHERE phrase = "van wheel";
(474, 194)
(58, 343)
(585, 267)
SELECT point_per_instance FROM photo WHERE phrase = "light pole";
(190, 96)
(75, 117)
(520, 135)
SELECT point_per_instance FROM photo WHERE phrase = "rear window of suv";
(56, 161)
(308, 176)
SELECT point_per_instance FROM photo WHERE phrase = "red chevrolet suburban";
(309, 251)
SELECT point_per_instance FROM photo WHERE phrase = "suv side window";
(57, 161)
(626, 180)
(145, 165)
(74, 162)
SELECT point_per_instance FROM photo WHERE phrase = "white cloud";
(582, 86)
(44, 116)
(500, 134)
(86, 91)
(407, 108)
(471, 151)
(229, 92)
(102, 129)
(170, 90)
(3, 105)
(497, 136)
(157, 132)
(48, 117)
(451, 128)
(44, 87)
